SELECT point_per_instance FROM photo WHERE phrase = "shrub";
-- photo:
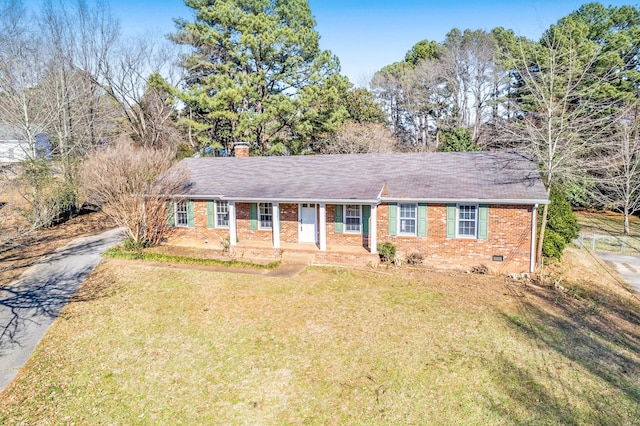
(480, 269)
(415, 258)
(135, 245)
(562, 225)
(387, 251)
(553, 244)
(560, 217)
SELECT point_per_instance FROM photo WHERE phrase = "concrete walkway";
(627, 266)
(32, 303)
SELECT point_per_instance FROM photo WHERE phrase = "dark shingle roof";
(492, 176)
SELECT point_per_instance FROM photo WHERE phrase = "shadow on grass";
(594, 336)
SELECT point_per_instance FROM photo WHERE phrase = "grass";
(149, 345)
(119, 252)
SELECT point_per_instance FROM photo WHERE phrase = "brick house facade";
(409, 200)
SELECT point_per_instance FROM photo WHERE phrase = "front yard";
(148, 345)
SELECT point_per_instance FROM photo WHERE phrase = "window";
(408, 219)
(467, 220)
(265, 215)
(222, 214)
(182, 217)
(352, 222)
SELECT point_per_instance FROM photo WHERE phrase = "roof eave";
(279, 199)
(510, 201)
(295, 200)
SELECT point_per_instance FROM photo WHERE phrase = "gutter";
(534, 227)
(378, 200)
(279, 200)
(466, 200)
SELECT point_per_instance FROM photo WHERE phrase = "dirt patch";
(20, 254)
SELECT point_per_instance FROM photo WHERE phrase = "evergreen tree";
(458, 139)
(256, 73)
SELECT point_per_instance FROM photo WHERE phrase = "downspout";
(534, 226)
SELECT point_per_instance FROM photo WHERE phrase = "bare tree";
(22, 106)
(560, 115)
(470, 67)
(618, 168)
(359, 138)
(131, 184)
(128, 77)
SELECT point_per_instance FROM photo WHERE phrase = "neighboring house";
(456, 209)
(12, 148)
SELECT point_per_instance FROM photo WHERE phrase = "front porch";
(288, 252)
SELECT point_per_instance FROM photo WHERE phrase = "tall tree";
(560, 110)
(249, 63)
(472, 72)
(617, 168)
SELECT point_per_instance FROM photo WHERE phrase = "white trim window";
(407, 219)
(352, 218)
(181, 213)
(467, 221)
(222, 214)
(265, 216)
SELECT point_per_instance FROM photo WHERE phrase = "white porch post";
(275, 226)
(233, 236)
(323, 227)
(373, 229)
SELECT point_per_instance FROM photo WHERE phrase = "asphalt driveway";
(627, 266)
(33, 302)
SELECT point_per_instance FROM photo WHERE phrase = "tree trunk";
(626, 220)
(543, 226)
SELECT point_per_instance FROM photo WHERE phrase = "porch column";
(275, 225)
(373, 229)
(323, 227)
(233, 235)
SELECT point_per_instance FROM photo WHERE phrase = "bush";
(415, 258)
(553, 244)
(560, 217)
(135, 245)
(562, 225)
(480, 269)
(387, 252)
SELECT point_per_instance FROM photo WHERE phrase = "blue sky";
(369, 34)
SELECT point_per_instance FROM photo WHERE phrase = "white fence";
(608, 243)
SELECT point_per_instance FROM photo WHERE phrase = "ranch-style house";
(454, 209)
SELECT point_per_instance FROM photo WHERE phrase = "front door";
(307, 221)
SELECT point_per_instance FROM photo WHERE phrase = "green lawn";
(146, 345)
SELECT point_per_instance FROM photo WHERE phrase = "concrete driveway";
(627, 266)
(33, 302)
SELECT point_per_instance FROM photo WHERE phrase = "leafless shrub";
(131, 185)
(480, 269)
(360, 138)
(415, 258)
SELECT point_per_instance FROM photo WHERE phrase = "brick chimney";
(241, 149)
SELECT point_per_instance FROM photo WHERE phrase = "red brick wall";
(509, 235)
(344, 239)
(200, 231)
(243, 226)
(289, 223)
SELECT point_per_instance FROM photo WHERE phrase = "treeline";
(570, 99)
(254, 72)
